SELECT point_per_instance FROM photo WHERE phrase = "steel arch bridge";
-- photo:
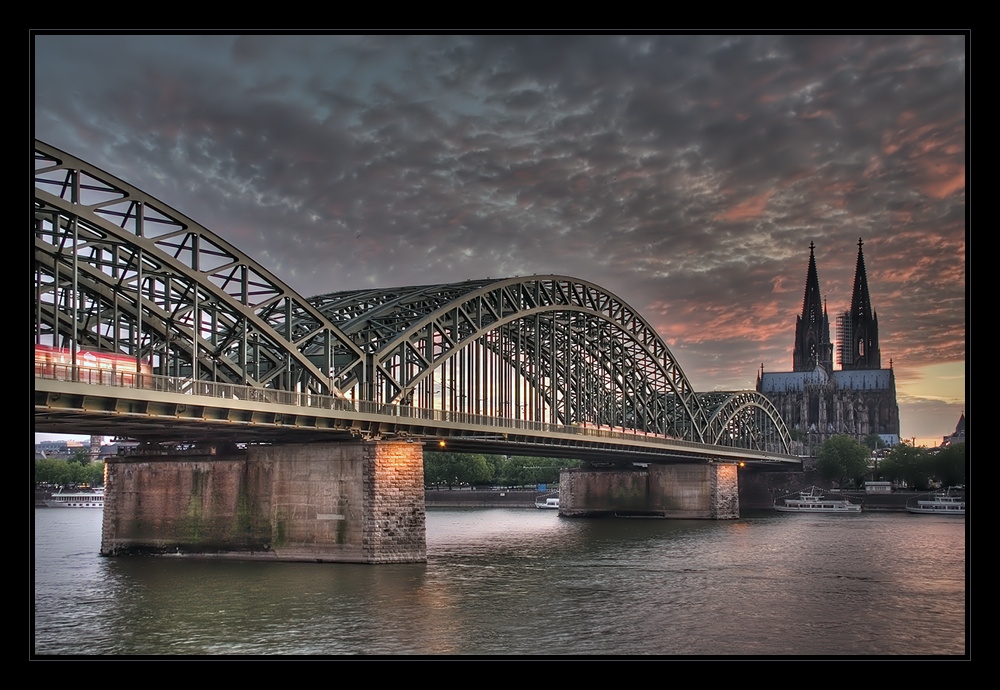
(118, 272)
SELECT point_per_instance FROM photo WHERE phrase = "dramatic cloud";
(687, 174)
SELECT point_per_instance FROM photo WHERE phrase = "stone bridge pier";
(358, 502)
(688, 491)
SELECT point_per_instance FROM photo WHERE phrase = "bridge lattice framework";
(118, 271)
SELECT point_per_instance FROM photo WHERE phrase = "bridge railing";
(236, 392)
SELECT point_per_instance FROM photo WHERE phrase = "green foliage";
(80, 457)
(498, 463)
(948, 465)
(906, 463)
(453, 469)
(525, 471)
(918, 467)
(843, 459)
(456, 469)
(57, 471)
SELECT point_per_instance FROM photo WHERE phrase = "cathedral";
(817, 401)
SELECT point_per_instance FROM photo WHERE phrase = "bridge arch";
(543, 348)
(745, 419)
(118, 271)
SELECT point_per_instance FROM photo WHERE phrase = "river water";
(527, 582)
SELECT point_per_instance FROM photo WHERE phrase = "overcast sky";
(686, 174)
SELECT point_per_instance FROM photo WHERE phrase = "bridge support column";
(359, 502)
(709, 492)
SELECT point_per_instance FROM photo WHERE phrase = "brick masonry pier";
(709, 492)
(358, 502)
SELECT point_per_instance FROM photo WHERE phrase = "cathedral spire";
(812, 328)
(863, 322)
(861, 303)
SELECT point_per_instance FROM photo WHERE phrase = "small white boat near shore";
(813, 500)
(547, 503)
(76, 499)
(941, 504)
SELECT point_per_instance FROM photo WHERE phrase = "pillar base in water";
(693, 491)
(357, 502)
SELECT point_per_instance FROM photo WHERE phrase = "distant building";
(817, 401)
(96, 448)
(958, 436)
(48, 449)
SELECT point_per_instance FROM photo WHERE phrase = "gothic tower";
(812, 329)
(859, 339)
(818, 402)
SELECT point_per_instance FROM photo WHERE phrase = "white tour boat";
(812, 500)
(941, 504)
(76, 499)
(547, 503)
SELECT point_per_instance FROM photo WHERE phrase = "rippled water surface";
(524, 581)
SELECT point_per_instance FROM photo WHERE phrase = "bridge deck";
(167, 409)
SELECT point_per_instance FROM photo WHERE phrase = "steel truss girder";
(412, 334)
(117, 270)
(185, 297)
(745, 419)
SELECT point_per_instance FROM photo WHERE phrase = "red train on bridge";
(108, 368)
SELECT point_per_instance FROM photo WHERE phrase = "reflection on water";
(507, 581)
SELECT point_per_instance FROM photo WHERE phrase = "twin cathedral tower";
(817, 401)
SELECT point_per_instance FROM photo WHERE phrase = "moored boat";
(813, 500)
(941, 504)
(547, 503)
(76, 499)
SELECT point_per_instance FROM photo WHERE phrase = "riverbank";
(434, 498)
(477, 498)
(751, 500)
